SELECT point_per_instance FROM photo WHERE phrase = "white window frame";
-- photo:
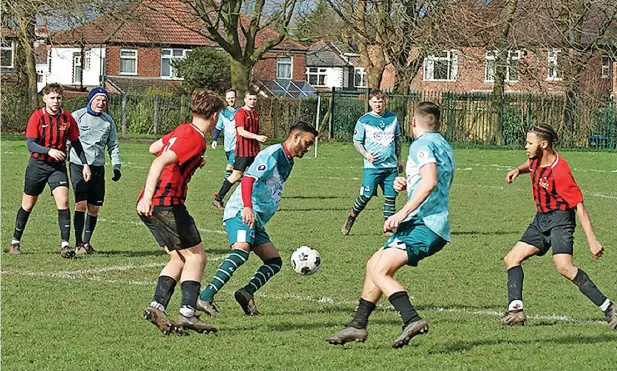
(429, 66)
(606, 69)
(12, 49)
(87, 60)
(552, 68)
(136, 58)
(361, 72)
(173, 73)
(490, 57)
(280, 61)
(317, 72)
(513, 55)
(77, 64)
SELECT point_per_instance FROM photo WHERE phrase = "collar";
(45, 111)
(289, 156)
(197, 129)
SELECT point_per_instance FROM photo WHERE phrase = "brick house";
(334, 65)
(138, 53)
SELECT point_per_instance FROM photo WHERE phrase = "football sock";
(589, 289)
(363, 311)
(359, 204)
(224, 272)
(224, 189)
(64, 221)
(190, 292)
(164, 290)
(20, 223)
(228, 173)
(90, 225)
(515, 288)
(400, 301)
(263, 274)
(389, 204)
(79, 217)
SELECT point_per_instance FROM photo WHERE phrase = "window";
(284, 68)
(6, 53)
(554, 73)
(512, 66)
(607, 67)
(128, 61)
(168, 56)
(359, 77)
(49, 61)
(77, 69)
(87, 60)
(490, 67)
(441, 66)
(316, 76)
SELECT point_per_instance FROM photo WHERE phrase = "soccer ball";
(305, 260)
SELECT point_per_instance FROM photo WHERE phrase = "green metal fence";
(477, 119)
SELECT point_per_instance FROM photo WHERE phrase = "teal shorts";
(417, 239)
(230, 157)
(373, 178)
(240, 232)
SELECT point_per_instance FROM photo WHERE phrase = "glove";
(117, 175)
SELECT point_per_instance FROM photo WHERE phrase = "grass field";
(86, 314)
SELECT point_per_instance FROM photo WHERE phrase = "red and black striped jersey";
(189, 145)
(554, 187)
(51, 131)
(249, 120)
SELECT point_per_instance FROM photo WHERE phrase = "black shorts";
(93, 191)
(172, 226)
(38, 173)
(553, 229)
(243, 163)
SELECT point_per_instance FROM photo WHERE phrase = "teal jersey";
(227, 125)
(431, 147)
(377, 134)
(270, 169)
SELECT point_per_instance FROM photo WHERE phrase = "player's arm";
(521, 169)
(218, 129)
(398, 145)
(246, 187)
(156, 147)
(113, 147)
(428, 182)
(583, 216)
(144, 206)
(247, 134)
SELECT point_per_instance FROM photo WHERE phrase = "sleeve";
(32, 128)
(73, 129)
(184, 147)
(263, 166)
(566, 187)
(113, 146)
(219, 122)
(239, 118)
(421, 154)
(358, 132)
(397, 127)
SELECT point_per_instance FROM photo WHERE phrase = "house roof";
(160, 22)
(328, 54)
(140, 84)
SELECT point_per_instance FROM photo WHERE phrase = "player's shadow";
(316, 309)
(465, 346)
(315, 197)
(131, 253)
(483, 233)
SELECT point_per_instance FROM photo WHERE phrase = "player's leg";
(355, 330)
(272, 263)
(96, 197)
(61, 197)
(562, 242)
(230, 163)
(533, 242)
(368, 190)
(240, 166)
(389, 202)
(80, 192)
(241, 238)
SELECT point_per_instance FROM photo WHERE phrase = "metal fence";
(467, 118)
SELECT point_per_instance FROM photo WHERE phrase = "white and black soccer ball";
(305, 260)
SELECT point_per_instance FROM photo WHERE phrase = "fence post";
(447, 116)
(331, 114)
(155, 115)
(274, 105)
(317, 123)
(366, 100)
(613, 122)
(182, 104)
(123, 115)
(529, 110)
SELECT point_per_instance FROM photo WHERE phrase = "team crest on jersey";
(63, 125)
(543, 182)
(378, 135)
(422, 155)
(355, 132)
(261, 167)
(382, 124)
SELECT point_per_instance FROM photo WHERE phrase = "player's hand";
(117, 175)
(371, 157)
(248, 217)
(393, 222)
(86, 173)
(512, 174)
(596, 249)
(214, 144)
(400, 183)
(400, 166)
(144, 207)
(203, 162)
(262, 138)
(56, 155)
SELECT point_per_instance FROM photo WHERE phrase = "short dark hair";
(204, 102)
(303, 127)
(231, 90)
(250, 92)
(545, 132)
(53, 87)
(377, 94)
(428, 111)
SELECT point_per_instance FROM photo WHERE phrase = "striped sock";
(389, 205)
(263, 274)
(359, 204)
(224, 272)
(228, 173)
